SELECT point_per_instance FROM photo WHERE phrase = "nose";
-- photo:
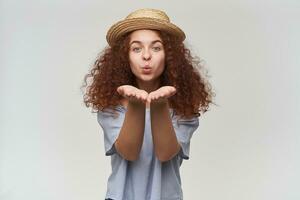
(146, 55)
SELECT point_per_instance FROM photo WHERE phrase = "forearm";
(130, 139)
(164, 138)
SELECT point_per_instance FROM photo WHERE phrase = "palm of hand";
(134, 94)
(161, 94)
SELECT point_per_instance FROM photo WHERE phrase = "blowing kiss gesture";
(137, 95)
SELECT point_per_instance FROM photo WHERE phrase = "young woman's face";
(146, 55)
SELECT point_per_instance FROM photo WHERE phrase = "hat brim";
(128, 25)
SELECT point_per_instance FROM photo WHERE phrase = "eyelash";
(139, 48)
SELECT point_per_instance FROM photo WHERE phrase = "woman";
(148, 93)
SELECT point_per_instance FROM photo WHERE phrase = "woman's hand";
(132, 93)
(162, 94)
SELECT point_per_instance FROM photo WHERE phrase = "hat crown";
(149, 13)
(144, 18)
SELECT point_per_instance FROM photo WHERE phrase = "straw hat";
(146, 18)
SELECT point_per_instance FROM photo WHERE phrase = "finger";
(130, 94)
(127, 96)
(141, 99)
(138, 96)
(157, 96)
(143, 96)
(120, 90)
(131, 98)
(148, 100)
(149, 97)
(173, 90)
(144, 101)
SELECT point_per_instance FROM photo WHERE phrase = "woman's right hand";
(133, 94)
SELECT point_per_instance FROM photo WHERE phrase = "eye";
(156, 48)
(135, 48)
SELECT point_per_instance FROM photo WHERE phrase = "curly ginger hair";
(182, 71)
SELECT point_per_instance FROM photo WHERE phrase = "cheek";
(133, 64)
(133, 59)
(162, 57)
(160, 66)
(161, 61)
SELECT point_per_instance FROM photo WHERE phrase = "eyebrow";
(139, 42)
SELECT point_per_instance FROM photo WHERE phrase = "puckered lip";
(146, 70)
(147, 67)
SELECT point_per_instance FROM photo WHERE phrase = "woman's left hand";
(161, 94)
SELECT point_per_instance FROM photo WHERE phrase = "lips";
(146, 70)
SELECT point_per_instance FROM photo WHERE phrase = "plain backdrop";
(246, 148)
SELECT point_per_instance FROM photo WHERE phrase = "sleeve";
(184, 129)
(111, 126)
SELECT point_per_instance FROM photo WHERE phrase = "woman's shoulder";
(115, 110)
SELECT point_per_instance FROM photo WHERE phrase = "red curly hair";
(182, 71)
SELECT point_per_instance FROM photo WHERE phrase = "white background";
(246, 148)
